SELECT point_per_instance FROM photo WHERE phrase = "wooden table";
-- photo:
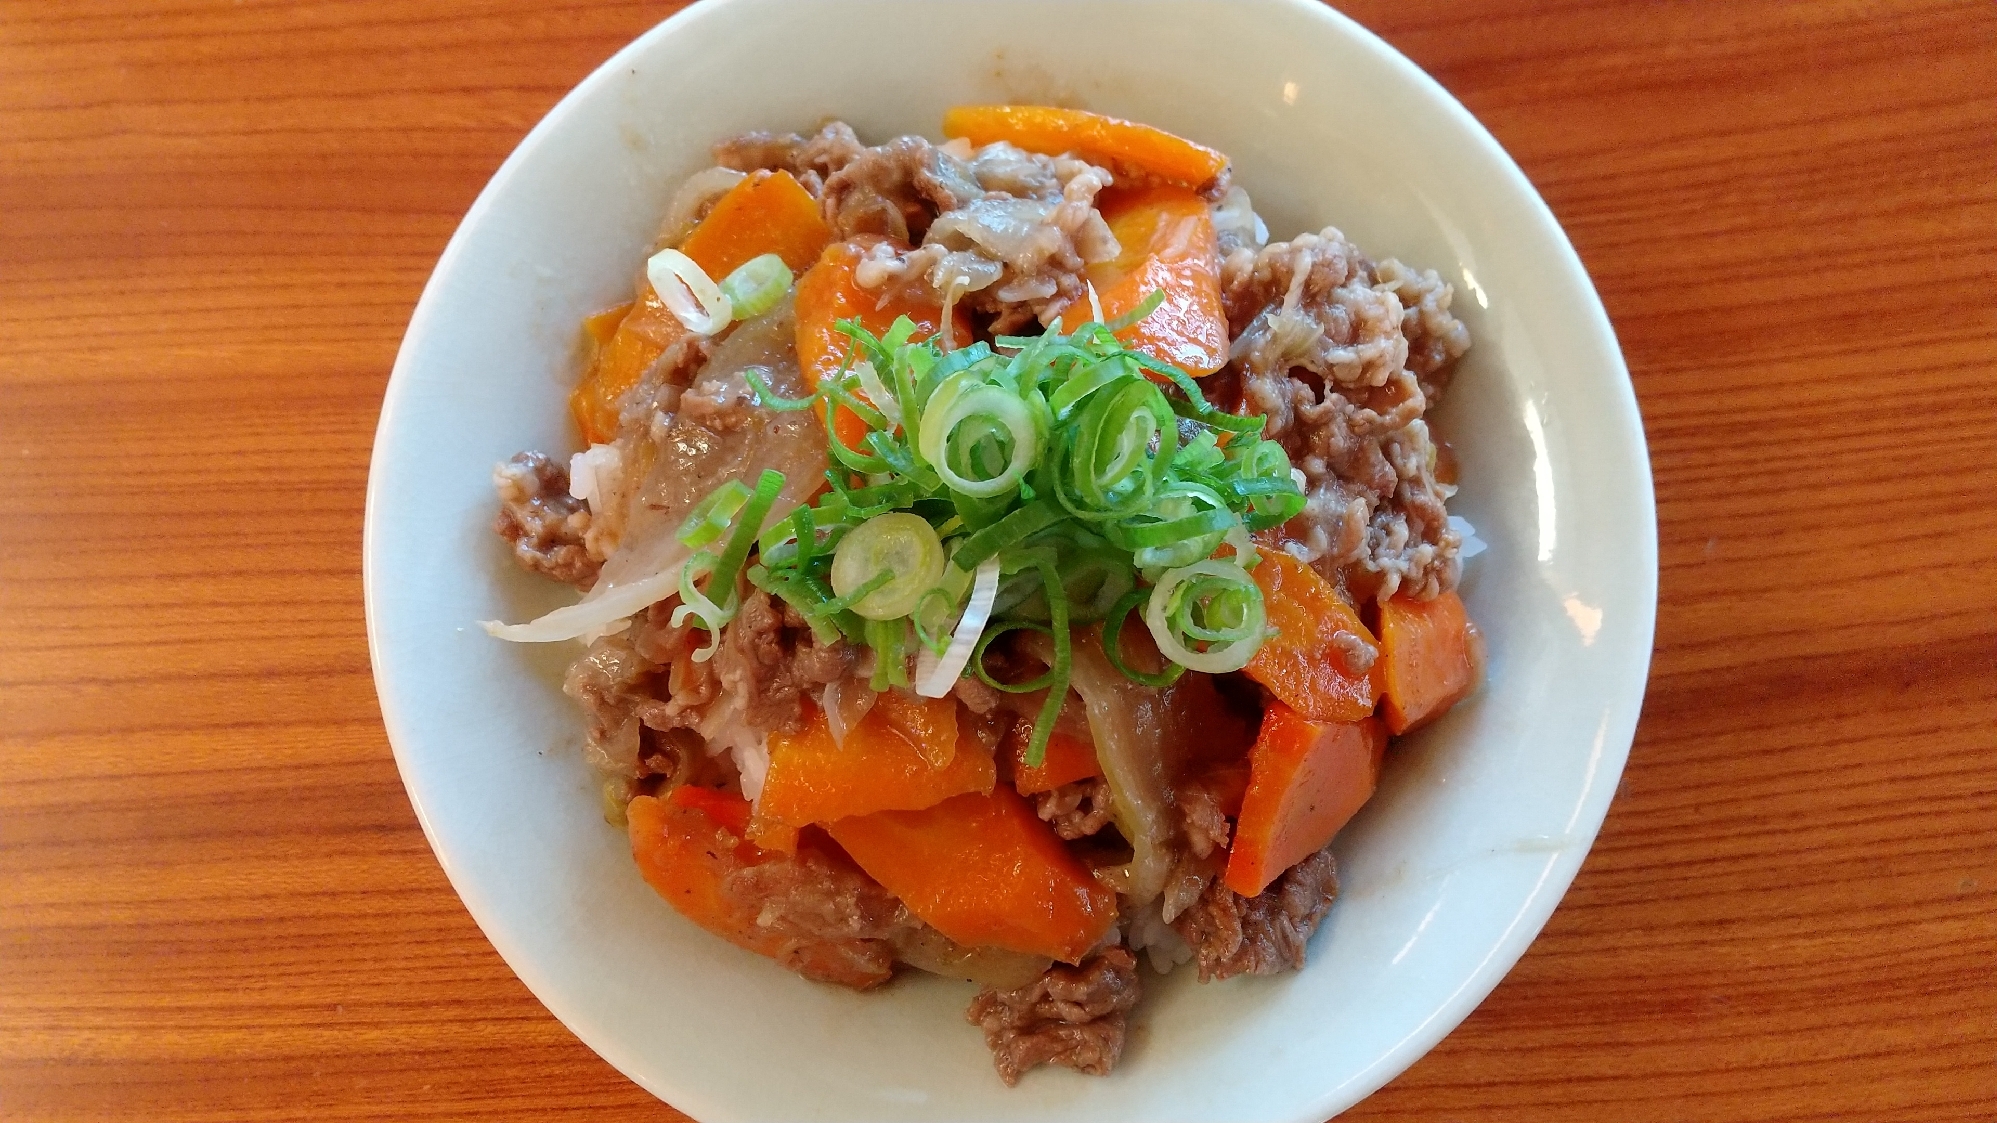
(215, 218)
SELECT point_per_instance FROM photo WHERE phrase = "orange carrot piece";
(812, 780)
(828, 293)
(642, 335)
(1430, 655)
(769, 212)
(1306, 780)
(1168, 246)
(1128, 149)
(687, 845)
(1068, 759)
(985, 871)
(601, 328)
(1302, 663)
(930, 724)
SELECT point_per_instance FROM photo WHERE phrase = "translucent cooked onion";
(689, 293)
(929, 950)
(700, 188)
(1128, 725)
(935, 675)
(689, 461)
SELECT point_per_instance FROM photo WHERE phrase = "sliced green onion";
(1112, 641)
(1077, 478)
(1144, 308)
(693, 602)
(758, 382)
(938, 670)
(757, 285)
(1009, 530)
(935, 613)
(713, 515)
(1057, 686)
(900, 544)
(1212, 602)
(877, 392)
(748, 524)
(889, 639)
(688, 292)
(980, 438)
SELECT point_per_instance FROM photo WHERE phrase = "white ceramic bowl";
(1481, 821)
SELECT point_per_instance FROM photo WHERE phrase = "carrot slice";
(642, 335)
(985, 871)
(768, 212)
(1303, 663)
(1068, 759)
(1168, 246)
(1430, 652)
(828, 293)
(812, 780)
(687, 845)
(930, 724)
(1306, 780)
(1126, 148)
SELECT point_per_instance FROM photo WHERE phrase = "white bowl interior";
(1481, 821)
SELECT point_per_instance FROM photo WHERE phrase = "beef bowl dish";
(1000, 559)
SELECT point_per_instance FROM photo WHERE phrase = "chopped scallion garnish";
(1086, 480)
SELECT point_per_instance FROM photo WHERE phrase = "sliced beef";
(1204, 823)
(1072, 1016)
(1007, 232)
(1019, 257)
(888, 189)
(977, 696)
(1264, 934)
(1436, 338)
(1326, 349)
(759, 150)
(768, 664)
(1077, 809)
(612, 682)
(838, 923)
(1311, 303)
(544, 523)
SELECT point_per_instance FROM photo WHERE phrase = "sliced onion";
(1127, 723)
(690, 294)
(699, 188)
(877, 391)
(846, 703)
(934, 674)
(574, 620)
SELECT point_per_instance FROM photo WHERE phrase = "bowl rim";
(1531, 915)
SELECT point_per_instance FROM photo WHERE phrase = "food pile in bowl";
(1000, 559)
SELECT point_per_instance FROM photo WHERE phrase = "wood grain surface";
(215, 218)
